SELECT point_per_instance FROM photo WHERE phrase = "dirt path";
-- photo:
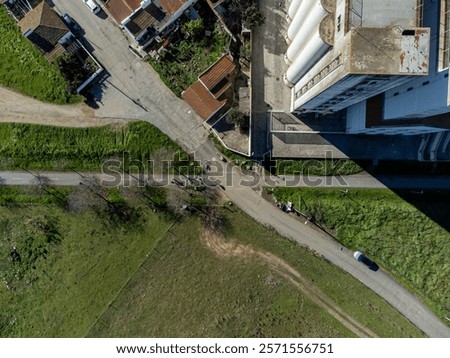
(226, 249)
(15, 107)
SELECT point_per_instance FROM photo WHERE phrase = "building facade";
(383, 62)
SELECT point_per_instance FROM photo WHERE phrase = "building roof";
(216, 77)
(201, 100)
(47, 28)
(121, 9)
(171, 6)
(217, 72)
(144, 18)
(156, 14)
(203, 95)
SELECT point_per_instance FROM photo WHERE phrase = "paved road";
(244, 178)
(135, 91)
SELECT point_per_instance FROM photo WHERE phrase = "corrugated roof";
(217, 72)
(201, 100)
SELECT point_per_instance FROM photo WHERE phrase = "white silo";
(295, 4)
(312, 52)
(305, 32)
(299, 18)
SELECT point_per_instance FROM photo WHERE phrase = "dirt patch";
(225, 249)
(15, 107)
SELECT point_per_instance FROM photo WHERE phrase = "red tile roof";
(201, 100)
(217, 72)
(171, 5)
(121, 9)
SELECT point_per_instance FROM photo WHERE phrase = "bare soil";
(228, 248)
(15, 107)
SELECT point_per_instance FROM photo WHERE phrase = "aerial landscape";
(224, 169)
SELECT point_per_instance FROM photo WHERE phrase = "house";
(148, 21)
(209, 95)
(46, 30)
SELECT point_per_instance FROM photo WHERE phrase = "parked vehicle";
(360, 257)
(92, 5)
(71, 23)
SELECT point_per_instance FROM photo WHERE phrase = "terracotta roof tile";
(171, 5)
(121, 9)
(42, 15)
(218, 72)
(47, 28)
(201, 100)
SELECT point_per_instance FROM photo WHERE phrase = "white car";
(92, 5)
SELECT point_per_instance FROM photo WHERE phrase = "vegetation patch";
(70, 266)
(77, 275)
(135, 147)
(388, 229)
(23, 68)
(182, 63)
(204, 290)
(322, 167)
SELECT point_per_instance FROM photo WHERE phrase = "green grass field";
(388, 229)
(23, 68)
(79, 276)
(236, 296)
(55, 148)
(62, 292)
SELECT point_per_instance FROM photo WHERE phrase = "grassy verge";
(185, 61)
(390, 230)
(55, 148)
(200, 293)
(23, 68)
(316, 167)
(235, 157)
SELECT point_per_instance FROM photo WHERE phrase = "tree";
(194, 28)
(253, 17)
(74, 70)
(236, 117)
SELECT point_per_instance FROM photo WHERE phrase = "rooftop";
(42, 15)
(201, 100)
(382, 13)
(43, 27)
(203, 96)
(156, 13)
(121, 9)
(215, 76)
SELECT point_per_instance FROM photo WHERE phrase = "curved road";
(135, 91)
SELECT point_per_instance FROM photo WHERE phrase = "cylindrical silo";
(311, 53)
(318, 23)
(295, 4)
(299, 18)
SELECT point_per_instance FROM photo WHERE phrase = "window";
(339, 23)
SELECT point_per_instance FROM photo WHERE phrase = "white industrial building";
(383, 61)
